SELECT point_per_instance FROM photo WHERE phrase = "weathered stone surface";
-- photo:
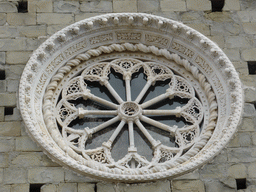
(3, 160)
(254, 138)
(18, 44)
(20, 187)
(163, 186)
(148, 6)
(250, 94)
(189, 176)
(249, 110)
(229, 182)
(99, 6)
(198, 5)
(5, 188)
(211, 171)
(10, 129)
(124, 5)
(12, 85)
(17, 57)
(7, 7)
(27, 160)
(249, 28)
(251, 170)
(202, 28)
(241, 155)
(14, 72)
(15, 175)
(218, 17)
(7, 144)
(2, 58)
(237, 171)
(85, 187)
(49, 188)
(1, 113)
(227, 28)
(3, 86)
(244, 16)
(222, 157)
(24, 143)
(232, 5)
(7, 99)
(249, 54)
(173, 5)
(67, 187)
(45, 175)
(214, 186)
(40, 6)
(1, 175)
(3, 18)
(32, 31)
(66, 6)
(237, 41)
(21, 19)
(54, 18)
(192, 16)
(219, 40)
(233, 54)
(72, 177)
(8, 32)
(188, 186)
(81, 16)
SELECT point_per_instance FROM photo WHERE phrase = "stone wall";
(22, 163)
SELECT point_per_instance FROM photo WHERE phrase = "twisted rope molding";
(120, 48)
(59, 39)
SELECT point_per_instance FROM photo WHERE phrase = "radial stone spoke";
(131, 134)
(154, 100)
(82, 112)
(115, 134)
(105, 124)
(113, 92)
(103, 101)
(143, 91)
(153, 142)
(161, 112)
(128, 89)
(158, 124)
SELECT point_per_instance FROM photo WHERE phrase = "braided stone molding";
(69, 48)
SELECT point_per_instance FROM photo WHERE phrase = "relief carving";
(101, 38)
(182, 49)
(205, 66)
(156, 39)
(128, 36)
(73, 49)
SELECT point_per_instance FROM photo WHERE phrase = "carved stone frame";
(131, 32)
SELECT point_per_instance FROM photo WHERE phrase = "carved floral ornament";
(130, 97)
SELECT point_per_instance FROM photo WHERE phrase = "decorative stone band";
(47, 106)
(211, 140)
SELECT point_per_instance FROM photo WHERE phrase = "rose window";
(92, 106)
(130, 97)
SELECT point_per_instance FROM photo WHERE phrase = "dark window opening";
(23, 7)
(8, 111)
(217, 5)
(241, 183)
(35, 187)
(2, 75)
(251, 67)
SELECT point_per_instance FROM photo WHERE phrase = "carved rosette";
(74, 108)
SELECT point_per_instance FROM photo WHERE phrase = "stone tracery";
(207, 95)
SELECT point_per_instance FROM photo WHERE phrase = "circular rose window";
(130, 97)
